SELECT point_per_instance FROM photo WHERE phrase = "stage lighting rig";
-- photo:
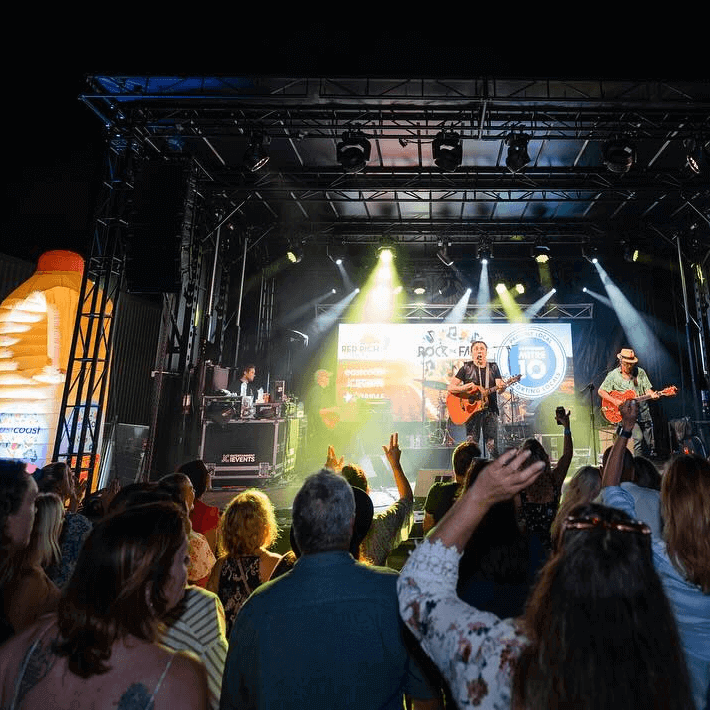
(447, 150)
(484, 252)
(353, 151)
(541, 253)
(517, 157)
(619, 155)
(255, 156)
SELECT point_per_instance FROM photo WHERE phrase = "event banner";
(410, 365)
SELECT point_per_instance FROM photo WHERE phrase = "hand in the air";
(507, 475)
(629, 411)
(392, 452)
(332, 462)
(563, 419)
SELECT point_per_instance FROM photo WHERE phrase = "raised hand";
(332, 462)
(392, 452)
(629, 411)
(505, 476)
(562, 417)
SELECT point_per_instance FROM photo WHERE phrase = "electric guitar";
(611, 411)
(461, 409)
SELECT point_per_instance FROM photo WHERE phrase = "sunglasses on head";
(588, 522)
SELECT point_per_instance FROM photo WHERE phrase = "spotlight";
(353, 151)
(294, 254)
(385, 253)
(590, 253)
(447, 151)
(631, 253)
(484, 253)
(541, 253)
(500, 288)
(619, 155)
(517, 157)
(335, 255)
(255, 156)
(419, 285)
(443, 256)
(520, 288)
(697, 155)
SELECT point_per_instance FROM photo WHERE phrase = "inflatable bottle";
(36, 327)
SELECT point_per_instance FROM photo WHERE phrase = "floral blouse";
(474, 650)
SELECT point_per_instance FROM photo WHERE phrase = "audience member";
(247, 530)
(682, 555)
(499, 563)
(390, 527)
(539, 502)
(327, 634)
(202, 558)
(204, 518)
(57, 477)
(100, 649)
(645, 488)
(18, 492)
(441, 495)
(598, 631)
(196, 623)
(583, 488)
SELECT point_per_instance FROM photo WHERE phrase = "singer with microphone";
(479, 379)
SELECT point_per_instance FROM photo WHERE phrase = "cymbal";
(433, 384)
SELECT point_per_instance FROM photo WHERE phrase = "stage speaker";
(156, 222)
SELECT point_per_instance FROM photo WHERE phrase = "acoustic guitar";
(461, 409)
(611, 411)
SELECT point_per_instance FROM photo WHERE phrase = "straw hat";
(627, 355)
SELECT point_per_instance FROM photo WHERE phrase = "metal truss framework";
(81, 416)
(211, 117)
(476, 312)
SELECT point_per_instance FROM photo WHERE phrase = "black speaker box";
(156, 218)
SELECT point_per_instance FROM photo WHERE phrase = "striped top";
(197, 625)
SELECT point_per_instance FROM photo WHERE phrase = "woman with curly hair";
(247, 531)
(101, 649)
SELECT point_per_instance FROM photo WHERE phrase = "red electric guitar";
(461, 409)
(611, 411)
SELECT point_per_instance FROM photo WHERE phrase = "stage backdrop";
(409, 366)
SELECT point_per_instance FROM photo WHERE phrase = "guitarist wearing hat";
(473, 378)
(628, 376)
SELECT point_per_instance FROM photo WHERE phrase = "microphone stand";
(590, 387)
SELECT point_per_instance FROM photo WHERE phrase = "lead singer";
(475, 376)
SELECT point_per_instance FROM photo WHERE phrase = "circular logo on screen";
(539, 358)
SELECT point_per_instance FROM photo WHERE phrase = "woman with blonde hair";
(247, 530)
(583, 488)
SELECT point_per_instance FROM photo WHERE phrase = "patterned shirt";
(197, 625)
(615, 382)
(474, 650)
(389, 529)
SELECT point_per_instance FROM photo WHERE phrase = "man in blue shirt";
(327, 634)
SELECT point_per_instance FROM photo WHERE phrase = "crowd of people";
(533, 587)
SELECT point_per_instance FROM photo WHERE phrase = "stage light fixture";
(520, 288)
(619, 155)
(631, 252)
(419, 285)
(447, 150)
(517, 157)
(353, 151)
(484, 252)
(541, 253)
(697, 155)
(443, 255)
(294, 254)
(500, 288)
(590, 253)
(255, 156)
